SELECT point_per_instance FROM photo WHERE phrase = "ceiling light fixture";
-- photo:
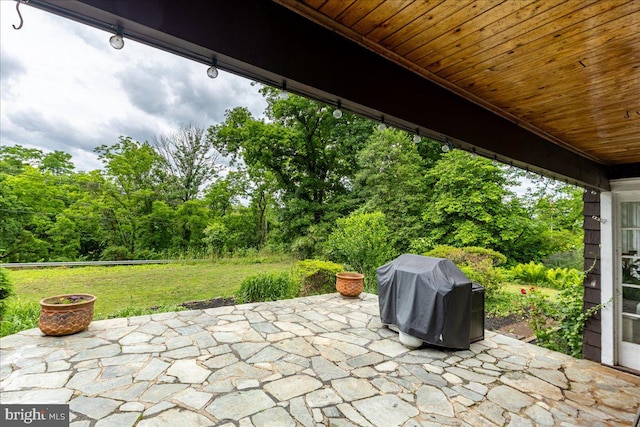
(474, 155)
(117, 40)
(337, 113)
(212, 71)
(283, 95)
(417, 138)
(495, 160)
(447, 146)
(382, 126)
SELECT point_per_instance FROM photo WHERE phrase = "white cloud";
(64, 88)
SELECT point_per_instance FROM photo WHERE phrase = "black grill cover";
(428, 298)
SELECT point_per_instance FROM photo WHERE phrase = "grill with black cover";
(430, 299)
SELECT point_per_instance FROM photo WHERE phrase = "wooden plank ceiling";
(568, 70)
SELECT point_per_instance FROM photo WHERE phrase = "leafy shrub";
(115, 253)
(145, 254)
(568, 259)
(531, 273)
(254, 256)
(249, 255)
(421, 245)
(215, 238)
(19, 316)
(303, 247)
(486, 275)
(6, 290)
(560, 278)
(537, 274)
(558, 324)
(467, 255)
(450, 252)
(267, 287)
(478, 264)
(317, 277)
(483, 253)
(363, 242)
(310, 244)
(503, 304)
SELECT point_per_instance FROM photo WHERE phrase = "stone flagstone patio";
(313, 361)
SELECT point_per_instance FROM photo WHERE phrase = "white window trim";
(608, 330)
(608, 245)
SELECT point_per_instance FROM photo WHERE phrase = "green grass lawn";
(139, 286)
(508, 301)
(131, 290)
(144, 286)
(515, 289)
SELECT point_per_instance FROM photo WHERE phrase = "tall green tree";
(391, 179)
(13, 158)
(31, 203)
(229, 197)
(224, 193)
(555, 209)
(159, 229)
(57, 163)
(311, 154)
(471, 206)
(86, 213)
(14, 215)
(133, 185)
(41, 197)
(192, 218)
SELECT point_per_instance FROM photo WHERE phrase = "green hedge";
(468, 255)
(478, 264)
(316, 276)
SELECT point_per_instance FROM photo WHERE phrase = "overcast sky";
(63, 87)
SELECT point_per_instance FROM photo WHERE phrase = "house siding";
(592, 345)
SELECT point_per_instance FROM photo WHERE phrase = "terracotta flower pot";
(66, 314)
(349, 284)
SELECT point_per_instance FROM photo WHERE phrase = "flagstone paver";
(118, 420)
(188, 371)
(240, 404)
(132, 407)
(315, 361)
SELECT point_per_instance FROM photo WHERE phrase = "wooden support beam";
(630, 170)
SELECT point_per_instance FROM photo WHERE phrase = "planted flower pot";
(349, 284)
(66, 314)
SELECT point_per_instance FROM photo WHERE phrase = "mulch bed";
(495, 323)
(208, 303)
(514, 325)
